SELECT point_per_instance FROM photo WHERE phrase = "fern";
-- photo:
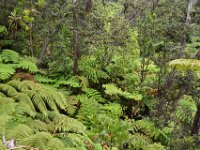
(185, 64)
(140, 141)
(155, 146)
(72, 82)
(44, 79)
(10, 56)
(38, 140)
(6, 71)
(28, 65)
(7, 105)
(62, 124)
(92, 93)
(112, 89)
(91, 70)
(19, 132)
(55, 144)
(113, 108)
(89, 107)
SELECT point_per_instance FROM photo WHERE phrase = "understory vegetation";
(100, 75)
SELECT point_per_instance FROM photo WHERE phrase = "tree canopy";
(100, 74)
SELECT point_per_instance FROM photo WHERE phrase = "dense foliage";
(99, 75)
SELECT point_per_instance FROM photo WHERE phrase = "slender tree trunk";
(75, 48)
(196, 123)
(191, 3)
(31, 34)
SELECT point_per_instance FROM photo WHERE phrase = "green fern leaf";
(21, 131)
(10, 56)
(28, 65)
(44, 79)
(6, 71)
(185, 64)
(55, 144)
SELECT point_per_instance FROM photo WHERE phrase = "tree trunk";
(191, 3)
(196, 123)
(75, 48)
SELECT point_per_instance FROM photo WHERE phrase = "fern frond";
(66, 124)
(112, 89)
(55, 144)
(72, 82)
(48, 98)
(91, 70)
(6, 71)
(113, 108)
(21, 131)
(24, 109)
(44, 79)
(38, 125)
(10, 56)
(18, 85)
(70, 106)
(155, 146)
(28, 65)
(76, 140)
(24, 98)
(185, 64)
(4, 120)
(38, 102)
(92, 93)
(140, 141)
(83, 82)
(8, 90)
(38, 140)
(7, 105)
